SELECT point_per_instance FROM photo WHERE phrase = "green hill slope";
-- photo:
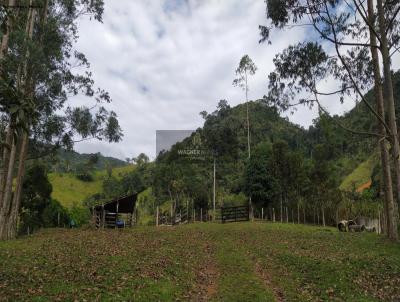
(67, 189)
(360, 176)
(68, 161)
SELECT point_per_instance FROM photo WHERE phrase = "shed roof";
(125, 204)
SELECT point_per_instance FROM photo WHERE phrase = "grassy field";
(201, 262)
(67, 189)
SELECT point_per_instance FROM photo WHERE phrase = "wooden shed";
(119, 212)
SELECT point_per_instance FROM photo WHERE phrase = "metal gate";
(233, 214)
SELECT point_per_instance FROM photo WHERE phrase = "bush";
(52, 213)
(80, 215)
(87, 177)
(233, 200)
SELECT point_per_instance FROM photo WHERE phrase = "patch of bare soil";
(207, 277)
(266, 278)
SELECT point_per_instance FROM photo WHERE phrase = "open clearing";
(201, 262)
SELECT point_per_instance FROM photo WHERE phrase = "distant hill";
(68, 161)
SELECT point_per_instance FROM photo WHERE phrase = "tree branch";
(342, 126)
(392, 19)
(333, 40)
(380, 118)
(364, 17)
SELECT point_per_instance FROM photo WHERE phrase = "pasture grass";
(201, 262)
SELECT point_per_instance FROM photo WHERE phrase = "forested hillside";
(286, 160)
(289, 166)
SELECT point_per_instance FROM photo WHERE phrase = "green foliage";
(260, 182)
(80, 215)
(38, 209)
(246, 68)
(49, 61)
(233, 200)
(83, 175)
(55, 215)
(131, 182)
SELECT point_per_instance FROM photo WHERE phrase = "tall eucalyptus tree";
(340, 48)
(37, 78)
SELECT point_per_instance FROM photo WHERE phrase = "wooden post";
(187, 210)
(116, 215)
(379, 222)
(201, 214)
(287, 214)
(157, 215)
(337, 216)
(103, 218)
(58, 219)
(292, 217)
(273, 214)
(384, 223)
(298, 213)
(304, 215)
(172, 210)
(131, 218)
(194, 215)
(262, 213)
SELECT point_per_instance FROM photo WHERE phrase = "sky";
(165, 61)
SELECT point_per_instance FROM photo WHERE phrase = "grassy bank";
(68, 189)
(201, 262)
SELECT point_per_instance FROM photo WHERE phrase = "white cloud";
(165, 61)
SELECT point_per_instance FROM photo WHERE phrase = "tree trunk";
(6, 36)
(281, 209)
(387, 177)
(12, 224)
(287, 214)
(247, 117)
(5, 210)
(298, 213)
(9, 210)
(4, 165)
(323, 217)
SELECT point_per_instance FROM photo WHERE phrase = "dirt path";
(207, 276)
(266, 278)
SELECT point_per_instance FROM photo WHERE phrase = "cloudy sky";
(164, 61)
